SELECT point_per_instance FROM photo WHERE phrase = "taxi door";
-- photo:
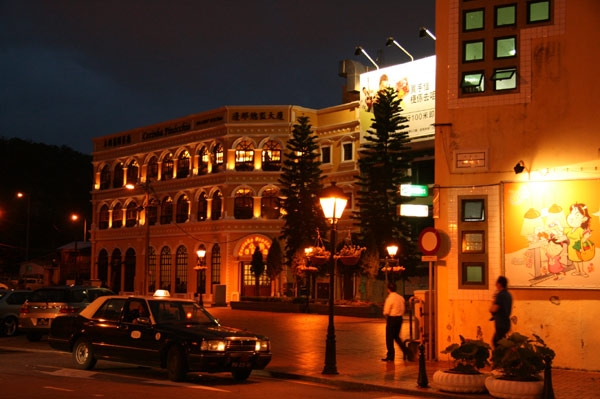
(137, 339)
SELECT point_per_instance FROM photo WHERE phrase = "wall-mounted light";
(520, 167)
(360, 50)
(391, 41)
(425, 32)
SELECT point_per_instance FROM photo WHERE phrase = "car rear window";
(50, 296)
(17, 298)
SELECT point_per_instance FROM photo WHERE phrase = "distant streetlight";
(392, 250)
(200, 277)
(333, 201)
(75, 218)
(28, 196)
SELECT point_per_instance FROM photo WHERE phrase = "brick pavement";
(298, 345)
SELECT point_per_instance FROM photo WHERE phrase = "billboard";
(551, 230)
(415, 82)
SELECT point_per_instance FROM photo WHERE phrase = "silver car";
(45, 304)
(10, 303)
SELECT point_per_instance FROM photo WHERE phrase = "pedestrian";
(393, 310)
(500, 309)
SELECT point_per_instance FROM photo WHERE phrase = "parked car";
(45, 304)
(10, 303)
(176, 334)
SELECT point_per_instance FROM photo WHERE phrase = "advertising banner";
(551, 230)
(415, 83)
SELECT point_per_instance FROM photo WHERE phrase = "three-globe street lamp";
(200, 269)
(333, 201)
(28, 197)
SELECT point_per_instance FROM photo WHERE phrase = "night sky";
(74, 70)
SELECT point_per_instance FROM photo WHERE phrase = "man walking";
(393, 310)
(500, 309)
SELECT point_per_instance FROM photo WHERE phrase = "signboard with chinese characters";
(257, 115)
(413, 190)
(415, 83)
(551, 234)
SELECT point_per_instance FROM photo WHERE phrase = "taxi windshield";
(179, 312)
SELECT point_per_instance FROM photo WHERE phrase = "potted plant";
(350, 254)
(319, 256)
(519, 359)
(469, 357)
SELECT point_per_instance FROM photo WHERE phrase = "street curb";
(364, 386)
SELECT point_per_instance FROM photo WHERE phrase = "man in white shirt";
(393, 310)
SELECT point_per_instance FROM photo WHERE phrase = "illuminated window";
(243, 204)
(166, 211)
(473, 20)
(183, 165)
(105, 178)
(167, 168)
(215, 209)
(506, 15)
(215, 265)
(505, 79)
(151, 269)
(181, 270)
(538, 11)
(270, 204)
(165, 269)
(103, 217)
(244, 156)
(347, 152)
(152, 168)
(326, 154)
(132, 172)
(218, 158)
(271, 156)
(203, 160)
(506, 47)
(117, 216)
(473, 51)
(118, 177)
(183, 207)
(472, 82)
(202, 207)
(131, 215)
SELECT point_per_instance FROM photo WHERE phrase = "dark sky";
(73, 70)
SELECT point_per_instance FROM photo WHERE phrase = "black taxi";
(173, 333)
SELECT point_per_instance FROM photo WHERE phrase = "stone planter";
(510, 389)
(457, 382)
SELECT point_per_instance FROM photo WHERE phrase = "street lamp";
(333, 201)
(74, 218)
(28, 196)
(200, 269)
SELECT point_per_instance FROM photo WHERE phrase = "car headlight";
(262, 346)
(213, 346)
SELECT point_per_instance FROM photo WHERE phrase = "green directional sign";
(413, 190)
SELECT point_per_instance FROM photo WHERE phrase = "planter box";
(456, 382)
(510, 389)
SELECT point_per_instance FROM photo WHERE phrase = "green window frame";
(505, 47)
(473, 51)
(538, 11)
(473, 82)
(505, 79)
(505, 15)
(473, 20)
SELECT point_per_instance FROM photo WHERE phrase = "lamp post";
(147, 188)
(333, 201)
(28, 196)
(200, 269)
(74, 218)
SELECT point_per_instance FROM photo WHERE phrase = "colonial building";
(206, 181)
(517, 169)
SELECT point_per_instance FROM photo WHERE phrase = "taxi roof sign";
(414, 190)
(161, 293)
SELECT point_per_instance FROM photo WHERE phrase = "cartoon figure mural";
(581, 249)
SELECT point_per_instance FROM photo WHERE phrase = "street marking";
(182, 385)
(59, 389)
(314, 384)
(32, 350)
(70, 373)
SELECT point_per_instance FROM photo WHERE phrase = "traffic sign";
(429, 241)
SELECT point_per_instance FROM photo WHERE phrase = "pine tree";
(274, 260)
(384, 164)
(301, 184)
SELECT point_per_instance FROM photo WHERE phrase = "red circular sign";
(429, 241)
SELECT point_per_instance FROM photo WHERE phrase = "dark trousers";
(392, 333)
(501, 331)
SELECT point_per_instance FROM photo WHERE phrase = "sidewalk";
(298, 346)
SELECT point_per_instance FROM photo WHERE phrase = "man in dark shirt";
(500, 309)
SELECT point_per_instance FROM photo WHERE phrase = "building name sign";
(249, 245)
(257, 116)
(166, 131)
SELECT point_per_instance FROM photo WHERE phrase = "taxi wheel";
(83, 355)
(241, 374)
(34, 337)
(176, 367)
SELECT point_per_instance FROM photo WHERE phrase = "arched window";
(183, 165)
(167, 168)
(166, 211)
(215, 209)
(115, 271)
(215, 265)
(103, 218)
(152, 169)
(270, 204)
(105, 178)
(132, 172)
(243, 204)
(117, 216)
(181, 270)
(131, 214)
(244, 156)
(151, 269)
(218, 158)
(152, 213)
(202, 207)
(271, 156)
(118, 177)
(183, 206)
(165, 269)
(129, 270)
(203, 160)
(103, 266)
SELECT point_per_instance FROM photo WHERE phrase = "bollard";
(548, 392)
(422, 380)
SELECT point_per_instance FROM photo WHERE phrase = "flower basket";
(349, 255)
(318, 260)
(349, 260)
